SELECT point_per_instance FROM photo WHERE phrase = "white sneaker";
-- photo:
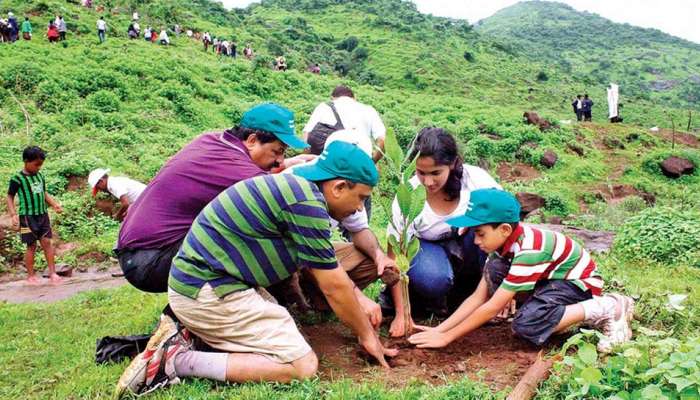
(615, 323)
(154, 367)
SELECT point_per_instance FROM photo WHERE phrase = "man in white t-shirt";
(125, 189)
(353, 115)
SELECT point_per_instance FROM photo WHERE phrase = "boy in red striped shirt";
(563, 279)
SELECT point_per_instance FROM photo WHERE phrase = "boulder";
(531, 118)
(549, 159)
(529, 202)
(674, 167)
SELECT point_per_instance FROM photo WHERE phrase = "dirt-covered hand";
(375, 348)
(431, 339)
(373, 311)
(398, 326)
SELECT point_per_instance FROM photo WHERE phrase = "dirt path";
(490, 353)
(20, 292)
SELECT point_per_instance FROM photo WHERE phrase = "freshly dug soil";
(490, 353)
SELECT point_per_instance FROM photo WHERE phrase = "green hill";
(647, 63)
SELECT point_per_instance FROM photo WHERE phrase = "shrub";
(23, 77)
(348, 44)
(661, 234)
(542, 76)
(104, 101)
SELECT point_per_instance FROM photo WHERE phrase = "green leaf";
(680, 382)
(393, 150)
(591, 375)
(403, 196)
(393, 243)
(417, 202)
(587, 353)
(410, 170)
(413, 248)
(653, 392)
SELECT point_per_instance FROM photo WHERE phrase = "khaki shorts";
(242, 322)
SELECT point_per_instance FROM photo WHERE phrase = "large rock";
(549, 159)
(531, 118)
(593, 241)
(529, 202)
(674, 167)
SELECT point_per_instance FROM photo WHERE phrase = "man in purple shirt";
(158, 221)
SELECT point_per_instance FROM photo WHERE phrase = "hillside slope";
(647, 63)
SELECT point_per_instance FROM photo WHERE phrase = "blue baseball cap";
(341, 160)
(273, 118)
(487, 206)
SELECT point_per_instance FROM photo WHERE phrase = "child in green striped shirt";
(33, 218)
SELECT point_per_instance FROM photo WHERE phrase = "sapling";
(411, 201)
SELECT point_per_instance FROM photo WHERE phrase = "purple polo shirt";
(192, 178)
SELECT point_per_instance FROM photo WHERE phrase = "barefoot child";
(563, 278)
(33, 217)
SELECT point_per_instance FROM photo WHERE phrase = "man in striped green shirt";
(32, 218)
(255, 234)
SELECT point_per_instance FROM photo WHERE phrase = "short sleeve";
(377, 126)
(356, 222)
(117, 187)
(315, 118)
(13, 187)
(308, 224)
(476, 178)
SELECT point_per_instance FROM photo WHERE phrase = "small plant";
(411, 201)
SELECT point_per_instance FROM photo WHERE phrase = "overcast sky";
(678, 17)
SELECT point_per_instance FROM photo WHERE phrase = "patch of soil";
(77, 183)
(105, 206)
(684, 138)
(93, 256)
(517, 172)
(614, 194)
(491, 348)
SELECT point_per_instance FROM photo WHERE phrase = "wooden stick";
(538, 372)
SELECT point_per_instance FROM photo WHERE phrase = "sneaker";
(143, 370)
(616, 324)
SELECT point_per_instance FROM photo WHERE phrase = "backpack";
(318, 135)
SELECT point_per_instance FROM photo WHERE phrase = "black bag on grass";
(116, 348)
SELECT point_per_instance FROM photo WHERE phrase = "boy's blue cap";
(487, 206)
(273, 118)
(341, 160)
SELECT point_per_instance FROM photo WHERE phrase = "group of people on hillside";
(229, 217)
(10, 29)
(583, 107)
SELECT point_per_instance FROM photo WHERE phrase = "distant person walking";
(101, 29)
(248, 52)
(587, 108)
(13, 27)
(577, 104)
(52, 33)
(26, 29)
(206, 41)
(62, 28)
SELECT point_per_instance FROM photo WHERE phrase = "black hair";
(578, 96)
(342, 90)
(26, 18)
(243, 133)
(33, 153)
(513, 225)
(441, 146)
(585, 95)
(350, 183)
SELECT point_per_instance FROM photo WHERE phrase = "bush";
(348, 44)
(23, 77)
(104, 101)
(542, 76)
(52, 96)
(661, 234)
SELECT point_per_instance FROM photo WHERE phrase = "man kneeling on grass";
(255, 234)
(566, 285)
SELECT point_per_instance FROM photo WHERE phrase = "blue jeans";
(435, 271)
(101, 35)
